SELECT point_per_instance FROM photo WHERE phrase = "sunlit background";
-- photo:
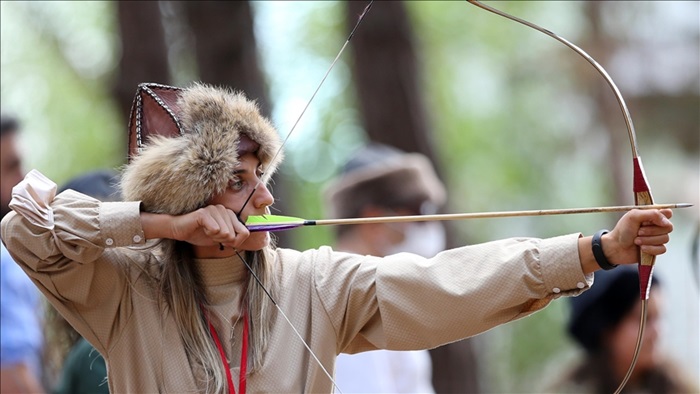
(513, 113)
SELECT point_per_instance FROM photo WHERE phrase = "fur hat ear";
(186, 145)
(153, 112)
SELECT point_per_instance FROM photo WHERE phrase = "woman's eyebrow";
(243, 170)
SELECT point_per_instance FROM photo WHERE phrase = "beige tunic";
(89, 267)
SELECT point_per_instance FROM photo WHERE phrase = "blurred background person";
(21, 340)
(605, 323)
(379, 180)
(80, 367)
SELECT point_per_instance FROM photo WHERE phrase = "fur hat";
(612, 296)
(183, 145)
(383, 176)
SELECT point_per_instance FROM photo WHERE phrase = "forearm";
(156, 225)
(208, 226)
(585, 253)
(610, 249)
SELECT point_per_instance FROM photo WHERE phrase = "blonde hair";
(183, 293)
(59, 339)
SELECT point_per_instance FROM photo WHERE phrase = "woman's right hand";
(211, 225)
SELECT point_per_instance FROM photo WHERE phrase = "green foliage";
(56, 61)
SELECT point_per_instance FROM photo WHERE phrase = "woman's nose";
(263, 197)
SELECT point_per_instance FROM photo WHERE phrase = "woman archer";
(160, 283)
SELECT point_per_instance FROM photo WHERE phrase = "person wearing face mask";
(379, 180)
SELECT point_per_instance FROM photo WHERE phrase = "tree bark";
(144, 52)
(606, 105)
(393, 112)
(386, 75)
(225, 47)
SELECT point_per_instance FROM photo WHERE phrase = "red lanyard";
(244, 355)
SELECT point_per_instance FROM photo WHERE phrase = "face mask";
(424, 239)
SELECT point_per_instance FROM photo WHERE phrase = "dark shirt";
(84, 371)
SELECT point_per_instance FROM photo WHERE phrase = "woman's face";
(623, 338)
(244, 181)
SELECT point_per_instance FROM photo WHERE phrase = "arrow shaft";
(279, 226)
(484, 215)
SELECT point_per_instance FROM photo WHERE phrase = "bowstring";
(630, 131)
(257, 280)
(325, 76)
(308, 103)
(274, 157)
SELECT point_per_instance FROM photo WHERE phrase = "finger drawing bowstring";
(642, 193)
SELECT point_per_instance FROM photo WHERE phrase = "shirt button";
(109, 241)
(556, 290)
(137, 238)
(580, 285)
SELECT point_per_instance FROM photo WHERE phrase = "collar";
(221, 271)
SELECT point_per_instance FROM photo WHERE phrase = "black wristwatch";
(597, 247)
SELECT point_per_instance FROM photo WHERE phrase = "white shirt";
(384, 371)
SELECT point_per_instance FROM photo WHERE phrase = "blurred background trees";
(512, 118)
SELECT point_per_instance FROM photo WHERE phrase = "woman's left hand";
(647, 230)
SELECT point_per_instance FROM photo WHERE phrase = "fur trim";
(177, 175)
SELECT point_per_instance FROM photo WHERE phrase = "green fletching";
(273, 223)
(273, 219)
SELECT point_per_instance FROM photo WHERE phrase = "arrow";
(281, 223)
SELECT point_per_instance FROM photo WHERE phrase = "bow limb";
(642, 196)
(642, 191)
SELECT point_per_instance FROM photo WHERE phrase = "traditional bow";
(642, 192)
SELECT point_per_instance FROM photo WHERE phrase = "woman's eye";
(235, 184)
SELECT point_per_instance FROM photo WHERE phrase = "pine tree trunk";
(225, 46)
(144, 54)
(393, 112)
